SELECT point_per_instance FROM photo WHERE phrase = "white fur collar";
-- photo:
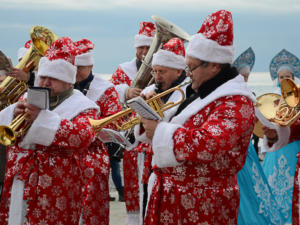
(74, 105)
(235, 86)
(130, 68)
(97, 87)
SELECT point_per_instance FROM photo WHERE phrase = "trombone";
(155, 104)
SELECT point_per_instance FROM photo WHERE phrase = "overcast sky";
(266, 25)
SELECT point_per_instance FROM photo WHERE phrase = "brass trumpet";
(9, 134)
(282, 110)
(154, 102)
(11, 88)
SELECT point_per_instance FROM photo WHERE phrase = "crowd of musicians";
(198, 165)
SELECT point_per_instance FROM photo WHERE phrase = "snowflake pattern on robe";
(204, 190)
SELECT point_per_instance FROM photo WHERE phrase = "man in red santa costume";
(43, 177)
(122, 79)
(96, 160)
(169, 71)
(198, 154)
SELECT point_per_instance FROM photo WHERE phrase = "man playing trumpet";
(43, 178)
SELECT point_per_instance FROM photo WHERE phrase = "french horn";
(282, 110)
(11, 88)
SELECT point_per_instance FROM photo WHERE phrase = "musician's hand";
(150, 126)
(19, 74)
(31, 112)
(270, 133)
(20, 108)
(148, 95)
(133, 92)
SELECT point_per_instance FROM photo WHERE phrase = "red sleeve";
(119, 77)
(227, 130)
(76, 133)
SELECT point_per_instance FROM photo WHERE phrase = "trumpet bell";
(7, 136)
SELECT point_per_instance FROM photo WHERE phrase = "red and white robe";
(122, 79)
(197, 156)
(43, 180)
(96, 160)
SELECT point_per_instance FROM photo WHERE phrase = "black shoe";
(121, 194)
(112, 198)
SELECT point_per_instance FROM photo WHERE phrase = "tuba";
(11, 88)
(165, 30)
(283, 110)
(154, 102)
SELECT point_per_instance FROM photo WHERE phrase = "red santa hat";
(84, 57)
(145, 35)
(23, 50)
(172, 55)
(214, 40)
(58, 61)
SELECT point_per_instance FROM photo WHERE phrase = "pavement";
(117, 213)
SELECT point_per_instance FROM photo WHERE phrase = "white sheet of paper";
(140, 106)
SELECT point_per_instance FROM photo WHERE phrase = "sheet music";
(140, 106)
(108, 135)
(39, 97)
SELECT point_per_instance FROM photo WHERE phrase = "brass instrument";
(11, 88)
(9, 134)
(282, 110)
(165, 30)
(154, 102)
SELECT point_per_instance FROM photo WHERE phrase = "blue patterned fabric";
(247, 58)
(284, 58)
(257, 203)
(279, 168)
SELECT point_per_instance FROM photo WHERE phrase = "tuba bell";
(11, 88)
(283, 110)
(165, 30)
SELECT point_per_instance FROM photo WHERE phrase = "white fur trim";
(235, 86)
(168, 59)
(85, 59)
(130, 69)
(140, 137)
(140, 163)
(97, 87)
(16, 207)
(121, 89)
(22, 52)
(44, 128)
(208, 50)
(151, 182)
(142, 40)
(133, 218)
(162, 143)
(59, 69)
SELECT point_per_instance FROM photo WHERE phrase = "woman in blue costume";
(281, 150)
(257, 203)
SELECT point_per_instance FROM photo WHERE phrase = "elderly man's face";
(200, 71)
(56, 86)
(165, 76)
(284, 74)
(141, 51)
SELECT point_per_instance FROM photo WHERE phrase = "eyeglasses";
(190, 71)
(161, 72)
